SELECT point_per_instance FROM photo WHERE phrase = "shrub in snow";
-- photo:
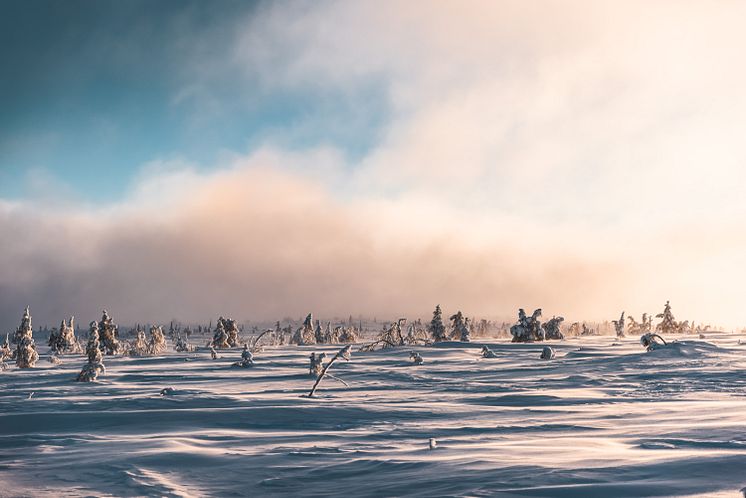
(669, 325)
(182, 345)
(646, 325)
(436, 328)
(25, 355)
(391, 336)
(348, 335)
(63, 340)
(247, 359)
(552, 328)
(305, 333)
(416, 358)
(317, 364)
(460, 329)
(652, 341)
(488, 353)
(619, 326)
(547, 353)
(528, 328)
(108, 335)
(95, 364)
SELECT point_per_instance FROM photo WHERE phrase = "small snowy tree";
(157, 343)
(668, 324)
(552, 328)
(5, 352)
(26, 355)
(231, 328)
(95, 364)
(619, 326)
(348, 335)
(247, 358)
(343, 353)
(63, 340)
(305, 334)
(108, 333)
(220, 337)
(182, 344)
(140, 346)
(316, 365)
(436, 328)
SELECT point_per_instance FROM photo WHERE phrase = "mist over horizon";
(185, 160)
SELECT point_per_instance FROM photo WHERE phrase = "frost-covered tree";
(231, 328)
(416, 358)
(5, 352)
(220, 337)
(316, 365)
(552, 328)
(157, 343)
(668, 324)
(305, 334)
(460, 329)
(95, 364)
(108, 335)
(619, 326)
(140, 346)
(247, 358)
(63, 340)
(528, 328)
(25, 355)
(182, 344)
(436, 328)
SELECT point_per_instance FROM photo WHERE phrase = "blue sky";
(94, 90)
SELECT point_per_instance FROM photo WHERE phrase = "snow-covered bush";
(547, 353)
(436, 328)
(247, 359)
(646, 325)
(488, 353)
(652, 341)
(182, 344)
(220, 337)
(5, 352)
(25, 355)
(348, 335)
(157, 343)
(140, 346)
(95, 364)
(619, 326)
(416, 358)
(108, 335)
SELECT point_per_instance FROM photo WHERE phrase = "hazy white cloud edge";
(583, 158)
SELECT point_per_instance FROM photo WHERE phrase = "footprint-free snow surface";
(602, 419)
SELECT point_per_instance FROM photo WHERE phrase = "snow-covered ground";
(601, 420)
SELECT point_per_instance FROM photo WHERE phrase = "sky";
(263, 160)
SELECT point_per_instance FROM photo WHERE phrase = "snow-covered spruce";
(157, 344)
(528, 328)
(316, 365)
(226, 334)
(488, 353)
(646, 325)
(95, 364)
(25, 355)
(416, 358)
(63, 340)
(436, 328)
(182, 344)
(247, 359)
(5, 352)
(669, 325)
(552, 329)
(547, 353)
(619, 326)
(108, 335)
(460, 328)
(348, 335)
(305, 333)
(651, 341)
(140, 346)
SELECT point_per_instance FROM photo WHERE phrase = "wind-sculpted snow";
(603, 418)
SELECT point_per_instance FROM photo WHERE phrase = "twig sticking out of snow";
(342, 353)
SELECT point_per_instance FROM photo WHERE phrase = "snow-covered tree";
(528, 328)
(460, 329)
(436, 328)
(140, 346)
(247, 358)
(157, 343)
(108, 335)
(220, 337)
(63, 340)
(5, 352)
(619, 326)
(552, 328)
(25, 355)
(348, 335)
(316, 365)
(95, 364)
(668, 324)
(305, 334)
(182, 344)
(231, 328)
